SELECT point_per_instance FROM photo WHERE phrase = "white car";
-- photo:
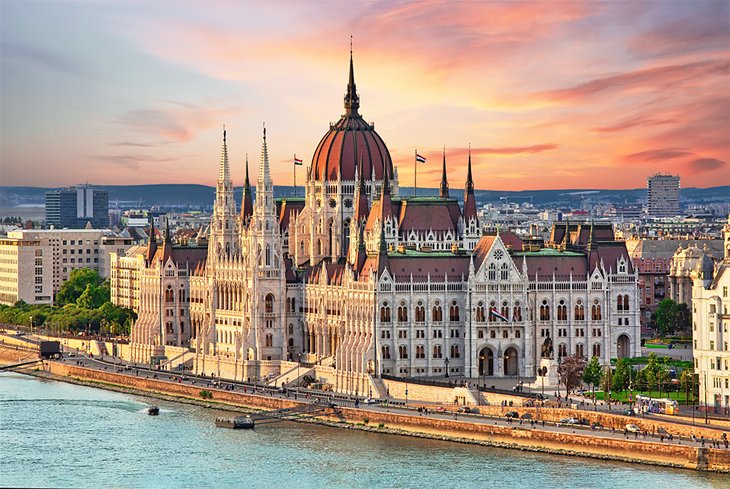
(632, 428)
(369, 400)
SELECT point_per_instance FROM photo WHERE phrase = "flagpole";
(295, 175)
(415, 171)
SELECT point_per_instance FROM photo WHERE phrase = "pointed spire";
(246, 199)
(264, 170)
(224, 174)
(470, 204)
(167, 236)
(152, 243)
(352, 101)
(444, 188)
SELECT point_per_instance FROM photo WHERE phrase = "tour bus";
(646, 404)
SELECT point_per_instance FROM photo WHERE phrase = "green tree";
(622, 375)
(76, 285)
(93, 297)
(592, 373)
(671, 317)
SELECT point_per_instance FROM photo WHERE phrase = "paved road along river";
(61, 435)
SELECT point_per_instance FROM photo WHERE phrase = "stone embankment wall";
(591, 445)
(171, 388)
(444, 394)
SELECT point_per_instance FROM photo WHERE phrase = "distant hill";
(189, 195)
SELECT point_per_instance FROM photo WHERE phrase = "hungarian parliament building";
(355, 281)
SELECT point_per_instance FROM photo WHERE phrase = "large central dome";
(339, 151)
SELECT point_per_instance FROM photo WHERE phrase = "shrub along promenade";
(539, 434)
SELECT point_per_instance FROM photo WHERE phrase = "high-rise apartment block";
(75, 207)
(663, 195)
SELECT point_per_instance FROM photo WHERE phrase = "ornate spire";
(152, 243)
(444, 189)
(469, 180)
(167, 236)
(264, 170)
(224, 174)
(352, 101)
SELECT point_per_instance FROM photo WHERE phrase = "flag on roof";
(496, 314)
(297, 161)
(420, 158)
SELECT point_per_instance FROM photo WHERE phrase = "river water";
(54, 434)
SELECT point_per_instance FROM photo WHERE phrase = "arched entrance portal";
(510, 361)
(623, 346)
(486, 362)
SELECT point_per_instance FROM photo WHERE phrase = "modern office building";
(663, 195)
(76, 207)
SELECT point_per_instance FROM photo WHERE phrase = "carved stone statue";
(547, 348)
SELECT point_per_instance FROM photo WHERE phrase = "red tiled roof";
(481, 250)
(425, 215)
(285, 209)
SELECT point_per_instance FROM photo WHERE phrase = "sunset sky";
(549, 94)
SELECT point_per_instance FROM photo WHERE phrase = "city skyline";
(580, 95)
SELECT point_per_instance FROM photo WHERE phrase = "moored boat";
(237, 423)
(153, 410)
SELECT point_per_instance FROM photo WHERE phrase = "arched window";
(420, 313)
(579, 349)
(319, 246)
(620, 303)
(403, 352)
(562, 311)
(385, 314)
(386, 352)
(562, 350)
(504, 272)
(492, 307)
(169, 294)
(437, 314)
(268, 255)
(453, 312)
(437, 353)
(580, 312)
(505, 310)
(596, 311)
(517, 314)
(293, 304)
(596, 349)
(269, 303)
(455, 351)
(291, 329)
(480, 313)
(544, 311)
(626, 303)
(420, 351)
(269, 340)
(492, 271)
(402, 313)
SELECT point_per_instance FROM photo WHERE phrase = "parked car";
(512, 414)
(629, 412)
(632, 428)
(369, 400)
(440, 409)
(568, 421)
(464, 409)
(527, 416)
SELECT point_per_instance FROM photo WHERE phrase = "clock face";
(333, 203)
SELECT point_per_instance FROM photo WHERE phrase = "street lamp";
(446, 362)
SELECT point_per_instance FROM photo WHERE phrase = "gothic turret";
(223, 237)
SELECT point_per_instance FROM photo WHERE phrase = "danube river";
(54, 434)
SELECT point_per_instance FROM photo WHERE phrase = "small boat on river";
(153, 410)
(237, 423)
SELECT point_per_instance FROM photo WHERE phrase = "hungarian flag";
(297, 161)
(496, 314)
(420, 158)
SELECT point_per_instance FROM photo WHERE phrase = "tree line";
(83, 303)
